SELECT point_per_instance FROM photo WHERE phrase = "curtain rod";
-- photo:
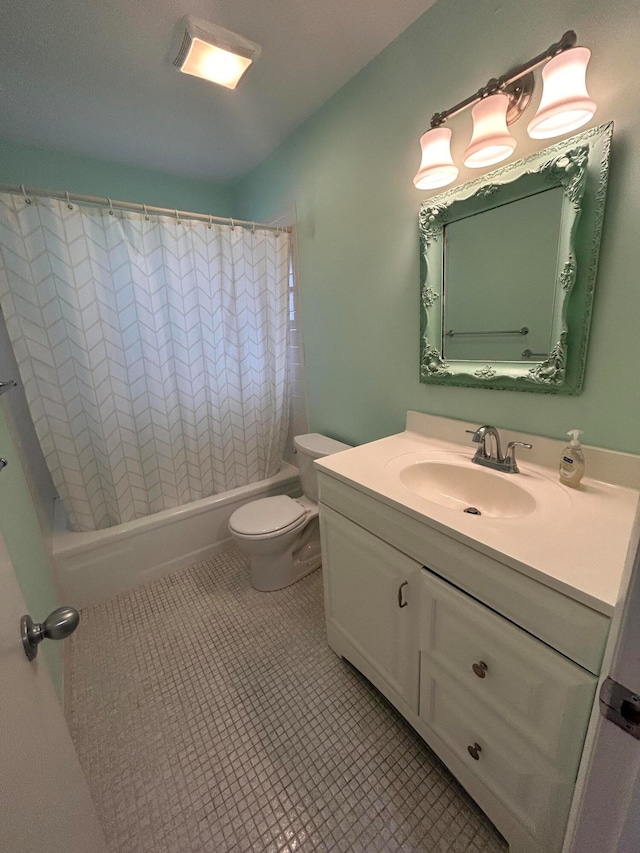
(147, 209)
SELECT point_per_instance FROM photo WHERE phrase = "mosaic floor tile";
(210, 717)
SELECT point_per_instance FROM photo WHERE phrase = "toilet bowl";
(281, 535)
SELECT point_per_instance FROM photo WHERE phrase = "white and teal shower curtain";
(153, 353)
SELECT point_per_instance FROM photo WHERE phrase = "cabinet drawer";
(532, 789)
(535, 690)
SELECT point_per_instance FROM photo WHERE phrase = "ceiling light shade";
(491, 141)
(211, 52)
(437, 168)
(565, 103)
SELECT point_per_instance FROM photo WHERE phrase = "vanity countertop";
(576, 541)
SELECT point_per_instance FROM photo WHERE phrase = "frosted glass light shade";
(491, 141)
(565, 103)
(206, 50)
(437, 168)
(215, 64)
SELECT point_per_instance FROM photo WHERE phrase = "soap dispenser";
(572, 461)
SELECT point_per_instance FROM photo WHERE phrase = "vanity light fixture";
(491, 141)
(565, 105)
(211, 52)
(437, 167)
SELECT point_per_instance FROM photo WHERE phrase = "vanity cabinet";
(372, 598)
(503, 707)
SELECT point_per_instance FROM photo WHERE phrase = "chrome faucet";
(489, 452)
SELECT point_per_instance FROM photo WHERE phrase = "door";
(372, 600)
(607, 816)
(44, 798)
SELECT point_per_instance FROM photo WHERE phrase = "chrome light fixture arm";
(511, 84)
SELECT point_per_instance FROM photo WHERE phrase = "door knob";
(58, 625)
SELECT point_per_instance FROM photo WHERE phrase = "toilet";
(281, 535)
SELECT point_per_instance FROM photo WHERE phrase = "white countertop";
(576, 540)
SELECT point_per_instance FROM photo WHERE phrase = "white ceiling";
(94, 76)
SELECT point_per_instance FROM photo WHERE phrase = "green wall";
(21, 532)
(48, 169)
(349, 170)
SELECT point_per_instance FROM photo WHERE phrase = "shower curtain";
(153, 353)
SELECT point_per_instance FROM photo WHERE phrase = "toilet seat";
(267, 517)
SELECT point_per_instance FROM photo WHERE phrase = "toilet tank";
(309, 447)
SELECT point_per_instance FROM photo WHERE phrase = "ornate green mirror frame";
(579, 166)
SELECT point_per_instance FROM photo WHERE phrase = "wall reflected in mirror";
(500, 271)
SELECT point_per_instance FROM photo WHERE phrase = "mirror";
(511, 322)
(508, 265)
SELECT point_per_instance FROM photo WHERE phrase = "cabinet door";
(372, 599)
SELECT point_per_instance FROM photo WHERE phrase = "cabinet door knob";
(401, 601)
(480, 669)
(474, 751)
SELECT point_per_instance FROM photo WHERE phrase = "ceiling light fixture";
(565, 105)
(211, 52)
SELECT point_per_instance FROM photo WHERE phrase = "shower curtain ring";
(253, 227)
(178, 220)
(27, 200)
(69, 205)
(210, 225)
(110, 207)
(233, 224)
(146, 212)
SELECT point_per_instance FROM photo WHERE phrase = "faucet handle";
(510, 455)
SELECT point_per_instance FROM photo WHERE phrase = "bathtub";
(92, 567)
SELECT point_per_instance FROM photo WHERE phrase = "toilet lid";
(266, 515)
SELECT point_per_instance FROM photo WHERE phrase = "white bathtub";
(92, 567)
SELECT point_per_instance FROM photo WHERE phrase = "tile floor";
(212, 717)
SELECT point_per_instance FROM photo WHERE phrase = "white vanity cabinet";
(372, 600)
(505, 708)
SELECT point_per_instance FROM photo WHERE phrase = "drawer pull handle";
(474, 751)
(401, 601)
(480, 669)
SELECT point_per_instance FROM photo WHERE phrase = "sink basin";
(468, 487)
